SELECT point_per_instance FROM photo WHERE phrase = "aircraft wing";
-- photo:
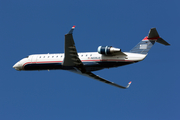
(71, 57)
(96, 77)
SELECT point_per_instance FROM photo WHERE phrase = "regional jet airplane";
(85, 63)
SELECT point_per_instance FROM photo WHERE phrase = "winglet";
(128, 84)
(71, 31)
(73, 27)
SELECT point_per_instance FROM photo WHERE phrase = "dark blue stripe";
(90, 66)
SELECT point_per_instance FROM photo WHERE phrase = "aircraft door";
(34, 59)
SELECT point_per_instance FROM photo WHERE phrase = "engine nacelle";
(108, 50)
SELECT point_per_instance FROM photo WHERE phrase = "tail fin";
(145, 45)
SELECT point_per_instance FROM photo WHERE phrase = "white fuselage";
(84, 63)
(91, 60)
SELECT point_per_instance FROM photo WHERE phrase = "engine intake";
(108, 50)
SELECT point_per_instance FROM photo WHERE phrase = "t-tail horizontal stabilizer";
(153, 34)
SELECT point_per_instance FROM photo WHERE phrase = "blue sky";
(39, 26)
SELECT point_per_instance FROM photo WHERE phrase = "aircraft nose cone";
(17, 66)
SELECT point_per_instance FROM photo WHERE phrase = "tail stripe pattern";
(143, 47)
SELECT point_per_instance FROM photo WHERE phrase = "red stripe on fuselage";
(108, 60)
(146, 38)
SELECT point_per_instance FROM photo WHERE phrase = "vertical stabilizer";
(153, 33)
(145, 45)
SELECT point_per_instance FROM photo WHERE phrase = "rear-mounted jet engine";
(108, 50)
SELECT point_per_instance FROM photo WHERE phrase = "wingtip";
(129, 84)
(71, 31)
(73, 27)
